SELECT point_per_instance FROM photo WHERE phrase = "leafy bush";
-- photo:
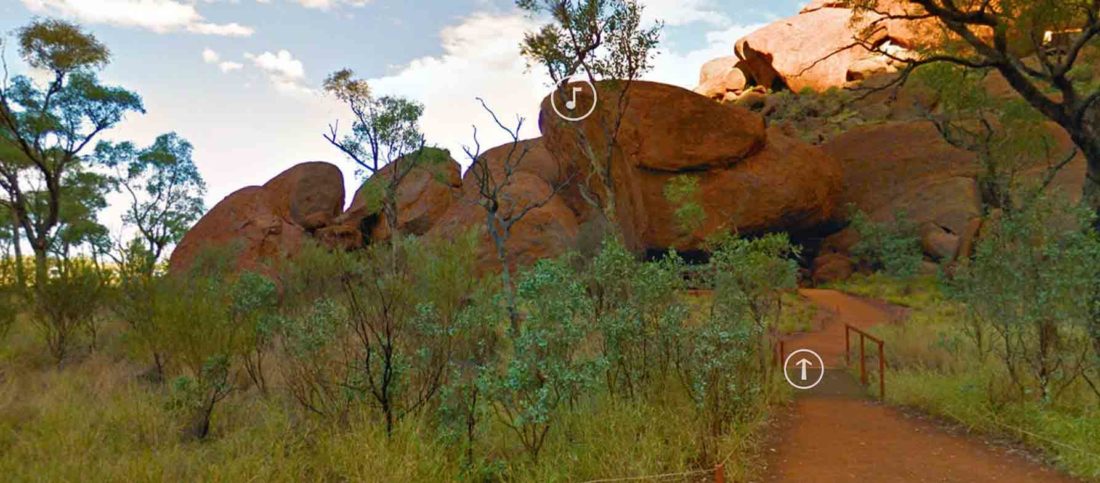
(548, 365)
(726, 361)
(9, 310)
(391, 338)
(253, 307)
(69, 302)
(683, 192)
(638, 313)
(318, 366)
(208, 318)
(893, 247)
(1029, 290)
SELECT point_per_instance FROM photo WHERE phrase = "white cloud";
(480, 59)
(233, 29)
(159, 16)
(327, 4)
(284, 71)
(211, 57)
(280, 64)
(230, 66)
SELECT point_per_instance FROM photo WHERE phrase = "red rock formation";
(820, 48)
(750, 180)
(721, 78)
(545, 232)
(309, 194)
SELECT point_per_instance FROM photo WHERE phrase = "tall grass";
(98, 419)
(933, 366)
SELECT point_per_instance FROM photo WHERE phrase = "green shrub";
(70, 302)
(638, 313)
(548, 365)
(893, 247)
(726, 359)
(1028, 291)
(683, 192)
(9, 309)
(208, 318)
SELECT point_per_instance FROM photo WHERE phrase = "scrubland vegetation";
(357, 365)
(1007, 346)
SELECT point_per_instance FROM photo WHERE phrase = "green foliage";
(596, 38)
(205, 319)
(936, 364)
(163, 185)
(1000, 131)
(638, 313)
(393, 337)
(683, 192)
(892, 247)
(549, 366)
(47, 126)
(138, 295)
(9, 309)
(68, 303)
(726, 358)
(383, 129)
(1028, 290)
(59, 46)
(817, 116)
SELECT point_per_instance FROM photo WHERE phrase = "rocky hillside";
(758, 136)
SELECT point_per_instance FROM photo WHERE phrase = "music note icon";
(572, 103)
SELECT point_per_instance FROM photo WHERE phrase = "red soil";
(834, 434)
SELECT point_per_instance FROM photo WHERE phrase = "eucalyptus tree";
(47, 126)
(1046, 50)
(164, 190)
(385, 140)
(595, 40)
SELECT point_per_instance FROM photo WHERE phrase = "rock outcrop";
(424, 194)
(750, 179)
(907, 167)
(823, 47)
(538, 178)
(267, 223)
(721, 79)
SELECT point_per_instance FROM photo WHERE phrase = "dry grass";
(96, 418)
(934, 367)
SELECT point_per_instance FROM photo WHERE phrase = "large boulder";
(721, 78)
(538, 180)
(265, 224)
(249, 224)
(749, 179)
(309, 194)
(825, 46)
(812, 50)
(907, 167)
(424, 194)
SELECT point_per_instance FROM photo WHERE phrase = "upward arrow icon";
(803, 364)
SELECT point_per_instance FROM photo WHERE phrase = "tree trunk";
(20, 273)
(41, 266)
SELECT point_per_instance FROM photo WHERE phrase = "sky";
(240, 79)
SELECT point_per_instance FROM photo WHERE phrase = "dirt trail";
(835, 434)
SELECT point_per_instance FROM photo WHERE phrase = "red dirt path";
(834, 434)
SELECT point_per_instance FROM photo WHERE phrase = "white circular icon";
(571, 103)
(803, 364)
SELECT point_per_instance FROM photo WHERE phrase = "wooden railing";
(848, 329)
